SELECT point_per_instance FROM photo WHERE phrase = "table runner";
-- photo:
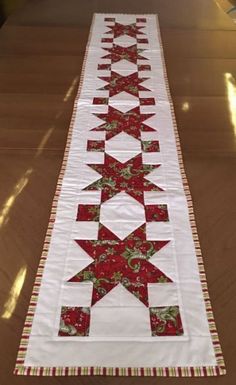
(121, 288)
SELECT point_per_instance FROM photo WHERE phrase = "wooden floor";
(42, 48)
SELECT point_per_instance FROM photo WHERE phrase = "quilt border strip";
(198, 371)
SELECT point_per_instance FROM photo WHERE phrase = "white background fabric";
(119, 322)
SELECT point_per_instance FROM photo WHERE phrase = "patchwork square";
(74, 321)
(96, 145)
(150, 146)
(88, 213)
(156, 213)
(165, 321)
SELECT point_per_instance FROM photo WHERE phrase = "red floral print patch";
(74, 321)
(142, 41)
(165, 321)
(150, 146)
(156, 213)
(104, 67)
(107, 39)
(96, 145)
(100, 100)
(88, 213)
(144, 67)
(147, 101)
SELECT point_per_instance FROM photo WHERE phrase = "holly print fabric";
(120, 269)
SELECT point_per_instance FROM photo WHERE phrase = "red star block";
(117, 53)
(130, 122)
(119, 83)
(128, 177)
(125, 262)
(120, 29)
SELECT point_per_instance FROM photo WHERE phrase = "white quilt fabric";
(119, 332)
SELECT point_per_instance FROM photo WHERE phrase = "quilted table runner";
(120, 288)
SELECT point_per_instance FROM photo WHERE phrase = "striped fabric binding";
(202, 371)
